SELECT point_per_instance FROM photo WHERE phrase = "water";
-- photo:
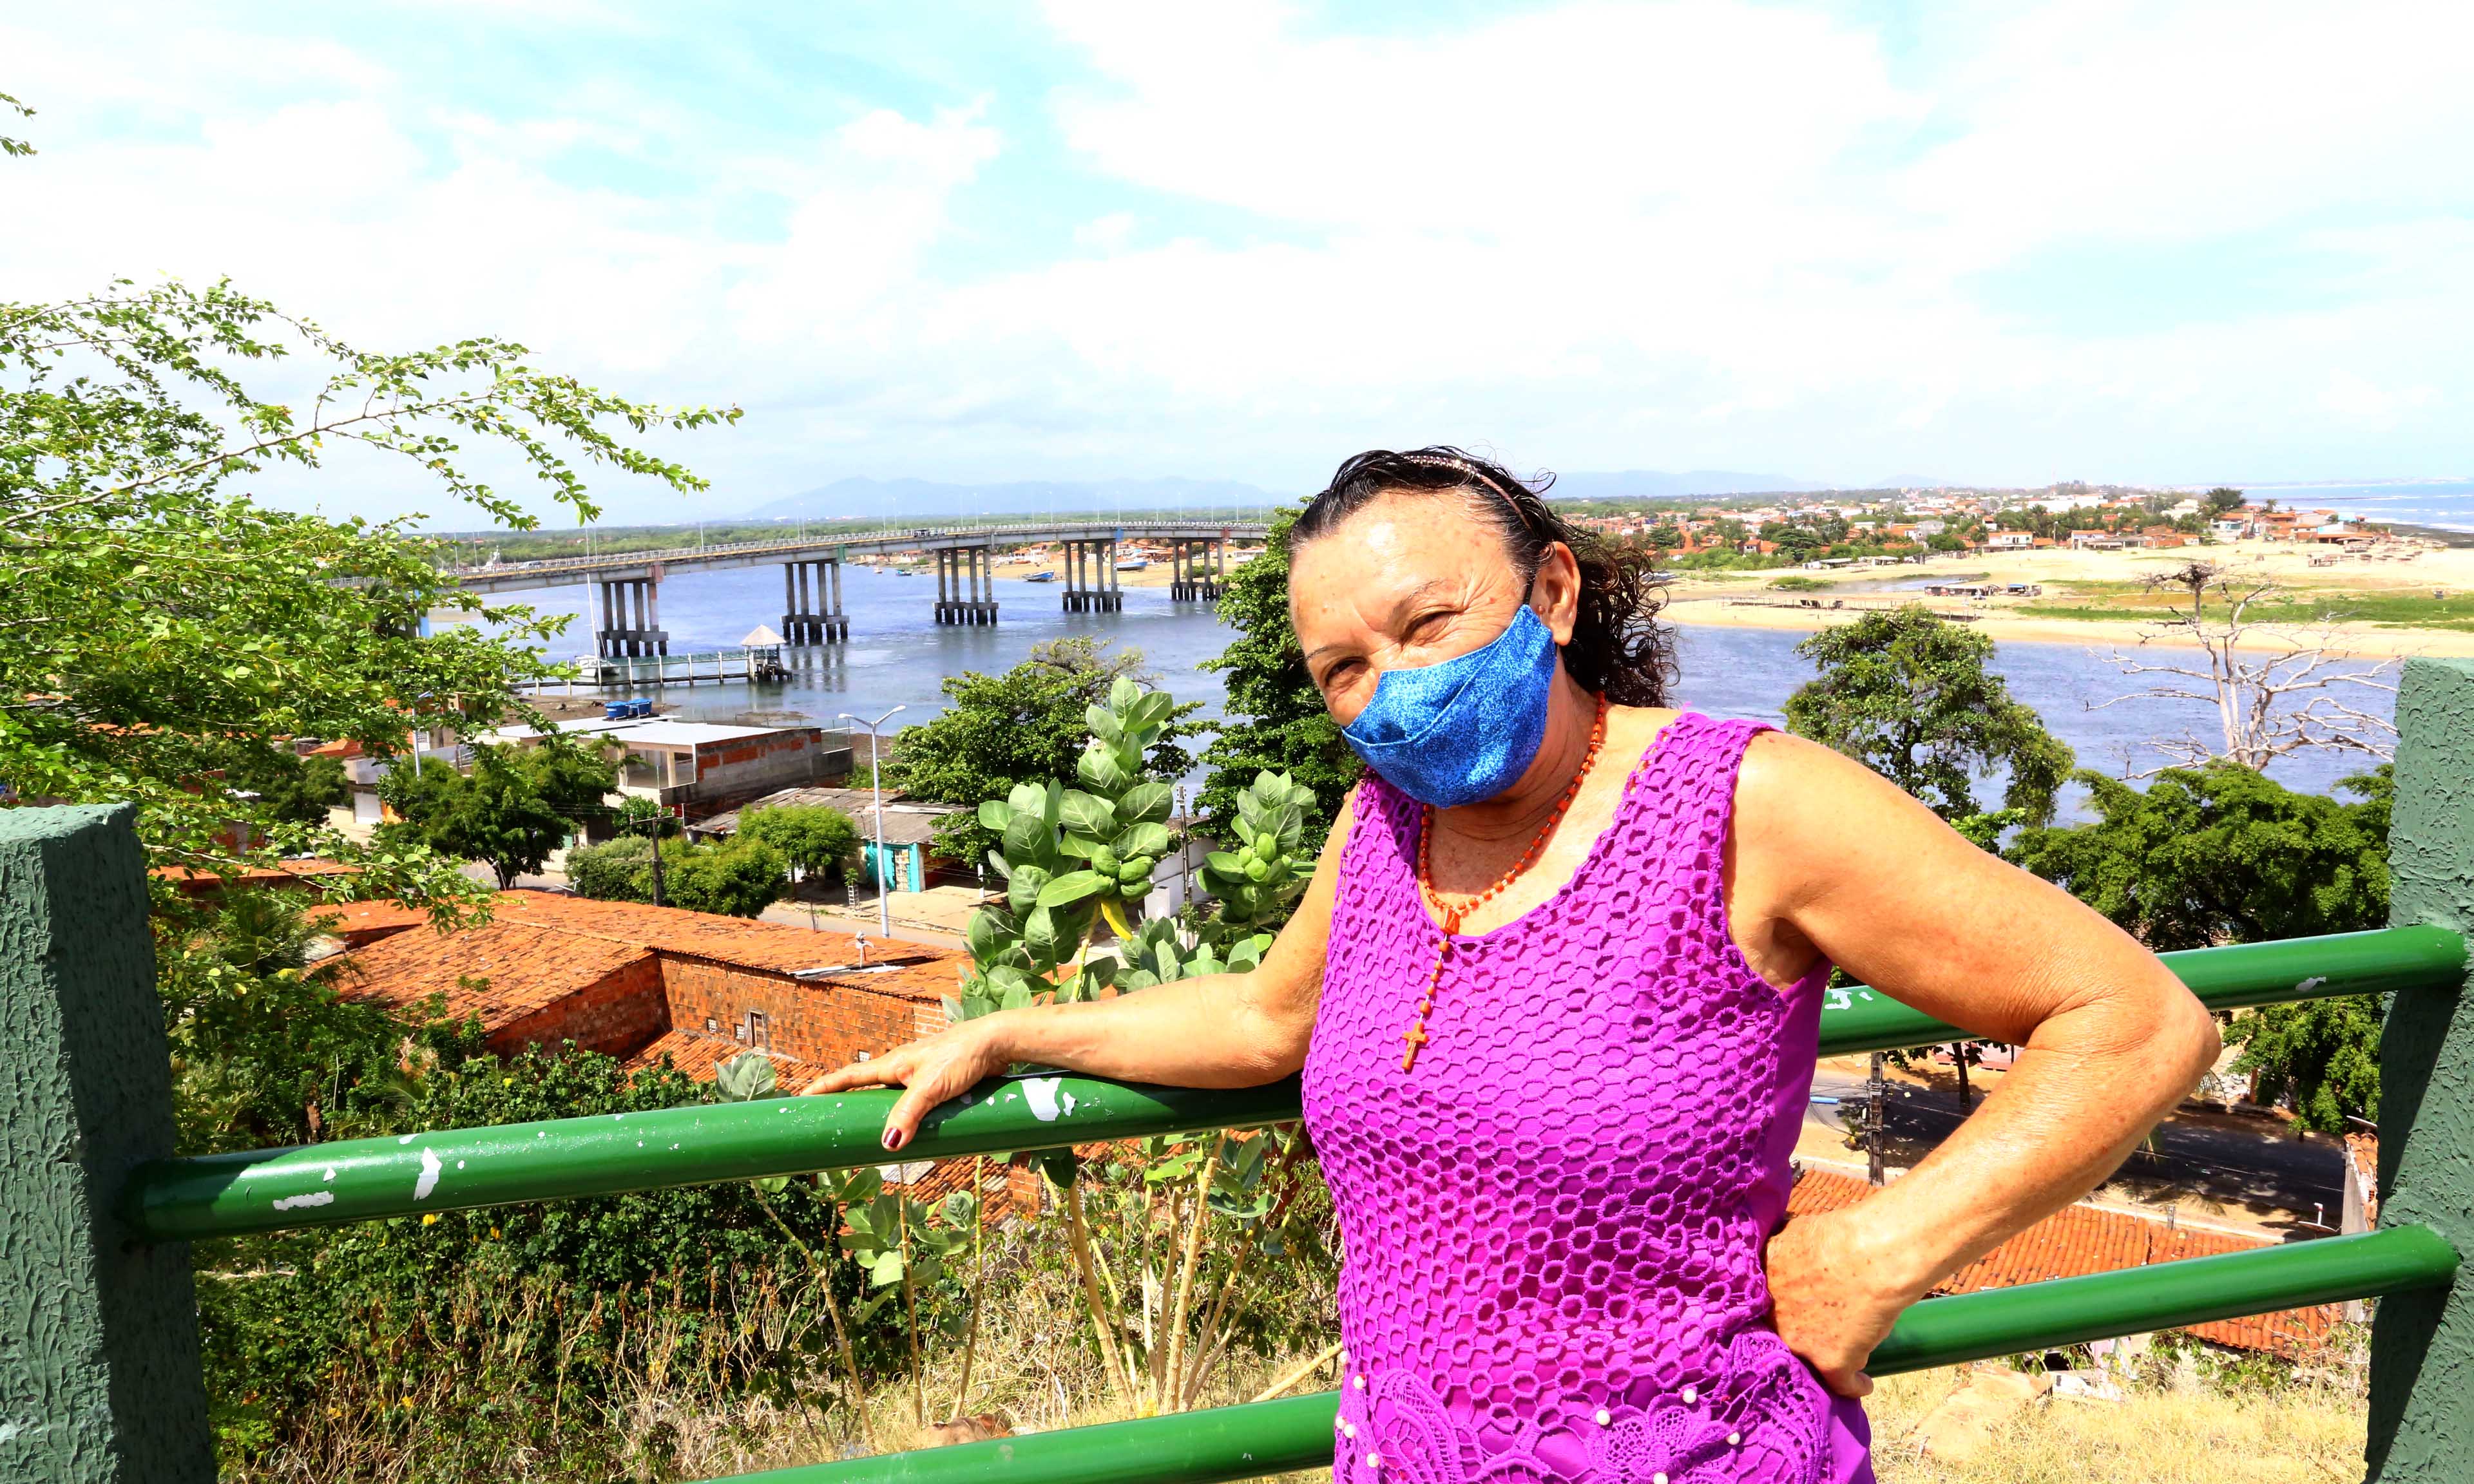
(2447, 503)
(899, 656)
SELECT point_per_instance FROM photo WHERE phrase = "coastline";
(1747, 600)
(2368, 641)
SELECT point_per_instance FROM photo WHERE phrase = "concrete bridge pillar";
(812, 601)
(631, 617)
(1195, 577)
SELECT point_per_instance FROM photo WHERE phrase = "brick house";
(697, 769)
(647, 984)
(639, 982)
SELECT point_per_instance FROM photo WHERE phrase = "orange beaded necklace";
(1453, 913)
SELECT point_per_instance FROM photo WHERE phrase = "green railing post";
(100, 1378)
(2423, 1342)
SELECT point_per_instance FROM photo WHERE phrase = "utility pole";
(658, 822)
(876, 782)
(1873, 1170)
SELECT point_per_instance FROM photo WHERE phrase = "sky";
(2152, 242)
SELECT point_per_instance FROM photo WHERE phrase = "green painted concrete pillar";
(2423, 1342)
(99, 1366)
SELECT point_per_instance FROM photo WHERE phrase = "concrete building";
(699, 769)
(655, 985)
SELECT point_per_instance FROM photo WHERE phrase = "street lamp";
(875, 781)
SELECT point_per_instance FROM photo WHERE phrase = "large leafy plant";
(1070, 857)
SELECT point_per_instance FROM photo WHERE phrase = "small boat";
(1133, 563)
(1040, 577)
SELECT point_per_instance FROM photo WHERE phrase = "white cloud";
(1700, 233)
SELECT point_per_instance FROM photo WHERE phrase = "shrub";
(621, 871)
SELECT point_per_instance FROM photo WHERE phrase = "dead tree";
(2277, 687)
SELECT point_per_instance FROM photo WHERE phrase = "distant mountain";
(879, 498)
(1657, 485)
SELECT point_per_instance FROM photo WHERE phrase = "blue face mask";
(1456, 733)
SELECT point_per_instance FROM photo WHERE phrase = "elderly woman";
(1555, 991)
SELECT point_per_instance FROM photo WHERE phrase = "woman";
(1555, 991)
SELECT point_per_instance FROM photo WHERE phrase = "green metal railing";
(92, 1218)
(1276, 1437)
(364, 1180)
(458, 1169)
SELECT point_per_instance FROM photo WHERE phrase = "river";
(899, 656)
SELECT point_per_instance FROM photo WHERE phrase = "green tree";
(619, 870)
(1024, 726)
(2223, 855)
(1908, 695)
(517, 806)
(290, 788)
(1274, 720)
(155, 618)
(737, 880)
(816, 840)
(2220, 500)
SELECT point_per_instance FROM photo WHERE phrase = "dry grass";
(1034, 1369)
(2294, 1435)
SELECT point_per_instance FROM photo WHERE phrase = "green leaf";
(1103, 723)
(745, 1077)
(1088, 815)
(1028, 842)
(1022, 893)
(1151, 712)
(993, 815)
(1073, 886)
(1122, 693)
(1149, 800)
(1046, 938)
(1099, 767)
(885, 1269)
(1144, 839)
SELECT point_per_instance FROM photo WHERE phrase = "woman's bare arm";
(1217, 1031)
(1827, 858)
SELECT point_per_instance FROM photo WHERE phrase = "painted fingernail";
(892, 1139)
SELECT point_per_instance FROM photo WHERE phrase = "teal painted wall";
(2422, 1344)
(99, 1377)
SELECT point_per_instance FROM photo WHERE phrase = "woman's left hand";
(1833, 1297)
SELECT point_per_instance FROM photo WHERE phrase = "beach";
(1750, 600)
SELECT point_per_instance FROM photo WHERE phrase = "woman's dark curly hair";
(1618, 648)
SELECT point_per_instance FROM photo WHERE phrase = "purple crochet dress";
(1554, 1224)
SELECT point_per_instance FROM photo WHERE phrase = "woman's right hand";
(930, 1070)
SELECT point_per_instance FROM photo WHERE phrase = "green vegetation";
(1273, 721)
(1794, 583)
(815, 841)
(1025, 725)
(738, 877)
(2225, 854)
(1909, 695)
(517, 806)
(2387, 609)
(1073, 856)
(176, 636)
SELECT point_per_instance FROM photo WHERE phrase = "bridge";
(627, 609)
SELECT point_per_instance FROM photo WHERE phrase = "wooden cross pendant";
(1416, 1037)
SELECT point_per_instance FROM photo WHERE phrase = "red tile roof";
(741, 942)
(2082, 1239)
(700, 1054)
(502, 971)
(290, 872)
(360, 923)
